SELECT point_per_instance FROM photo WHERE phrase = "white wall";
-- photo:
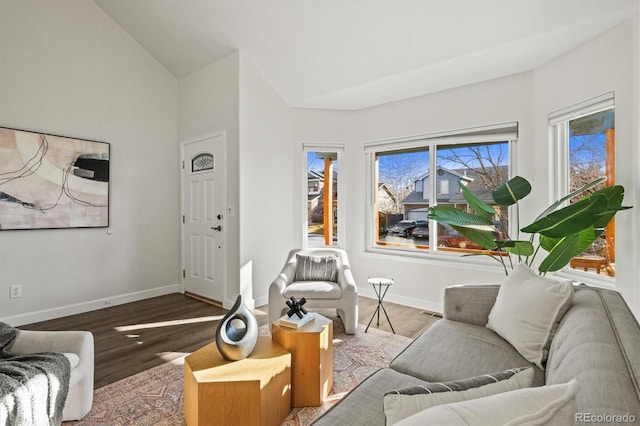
(68, 69)
(607, 63)
(267, 209)
(208, 101)
(421, 282)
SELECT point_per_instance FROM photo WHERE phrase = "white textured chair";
(80, 396)
(297, 281)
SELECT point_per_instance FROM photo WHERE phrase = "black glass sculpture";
(296, 307)
(237, 333)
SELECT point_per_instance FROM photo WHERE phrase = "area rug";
(155, 396)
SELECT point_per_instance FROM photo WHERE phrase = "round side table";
(380, 282)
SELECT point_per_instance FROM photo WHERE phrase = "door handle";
(217, 228)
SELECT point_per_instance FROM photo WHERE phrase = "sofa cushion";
(452, 350)
(597, 343)
(527, 311)
(316, 268)
(363, 404)
(403, 403)
(313, 290)
(544, 405)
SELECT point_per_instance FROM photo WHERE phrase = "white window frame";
(559, 158)
(323, 147)
(492, 133)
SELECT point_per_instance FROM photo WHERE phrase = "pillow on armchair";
(316, 268)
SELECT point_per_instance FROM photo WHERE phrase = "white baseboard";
(261, 301)
(403, 300)
(92, 305)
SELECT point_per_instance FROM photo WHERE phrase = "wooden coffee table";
(311, 348)
(252, 391)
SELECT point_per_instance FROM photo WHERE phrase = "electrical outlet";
(15, 291)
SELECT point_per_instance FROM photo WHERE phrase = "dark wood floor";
(136, 336)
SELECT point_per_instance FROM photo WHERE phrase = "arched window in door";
(202, 162)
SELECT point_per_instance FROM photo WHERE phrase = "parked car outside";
(403, 228)
(449, 237)
(421, 230)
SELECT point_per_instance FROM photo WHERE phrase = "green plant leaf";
(481, 208)
(614, 195)
(571, 219)
(521, 248)
(586, 238)
(512, 191)
(483, 238)
(559, 202)
(560, 255)
(457, 217)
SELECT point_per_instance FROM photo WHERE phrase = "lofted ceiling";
(353, 54)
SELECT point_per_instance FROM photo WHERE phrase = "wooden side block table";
(311, 348)
(252, 391)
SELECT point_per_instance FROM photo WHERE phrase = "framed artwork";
(52, 182)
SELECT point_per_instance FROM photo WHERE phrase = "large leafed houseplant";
(563, 232)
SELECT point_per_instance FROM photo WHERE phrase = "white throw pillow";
(406, 402)
(543, 405)
(527, 311)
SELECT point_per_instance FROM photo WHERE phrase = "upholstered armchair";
(323, 277)
(78, 347)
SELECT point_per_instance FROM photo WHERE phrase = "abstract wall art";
(52, 182)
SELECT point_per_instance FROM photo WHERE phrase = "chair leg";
(349, 320)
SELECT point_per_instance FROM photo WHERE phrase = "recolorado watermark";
(604, 418)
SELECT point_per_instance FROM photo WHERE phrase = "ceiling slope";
(340, 54)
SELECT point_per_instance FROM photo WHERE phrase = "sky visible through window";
(317, 164)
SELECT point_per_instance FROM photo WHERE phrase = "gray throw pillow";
(403, 403)
(316, 268)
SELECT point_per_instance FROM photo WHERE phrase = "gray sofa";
(597, 343)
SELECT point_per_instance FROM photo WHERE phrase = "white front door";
(203, 209)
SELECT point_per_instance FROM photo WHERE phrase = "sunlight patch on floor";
(171, 323)
(175, 357)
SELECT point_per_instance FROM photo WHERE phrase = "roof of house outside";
(475, 183)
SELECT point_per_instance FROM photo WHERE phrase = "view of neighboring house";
(386, 199)
(416, 205)
(315, 195)
(315, 183)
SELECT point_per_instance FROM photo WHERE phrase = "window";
(443, 187)
(584, 144)
(402, 185)
(322, 211)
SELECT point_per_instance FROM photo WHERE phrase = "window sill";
(447, 259)
(588, 278)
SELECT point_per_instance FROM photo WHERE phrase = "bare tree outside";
(487, 161)
(399, 171)
(587, 162)
(587, 157)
